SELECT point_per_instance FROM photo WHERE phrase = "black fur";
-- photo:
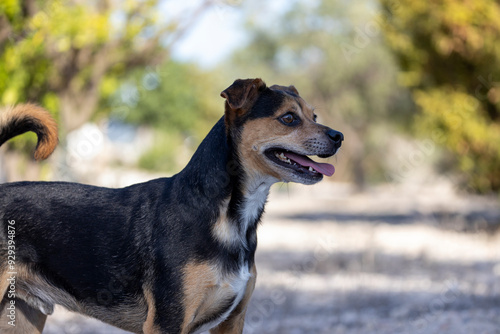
(21, 125)
(86, 239)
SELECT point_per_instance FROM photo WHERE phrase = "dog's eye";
(289, 119)
(315, 117)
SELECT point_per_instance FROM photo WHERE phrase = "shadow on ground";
(342, 293)
(471, 221)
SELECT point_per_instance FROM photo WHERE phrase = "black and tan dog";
(172, 255)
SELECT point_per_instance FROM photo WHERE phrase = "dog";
(172, 255)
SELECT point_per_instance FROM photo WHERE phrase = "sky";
(220, 31)
(215, 35)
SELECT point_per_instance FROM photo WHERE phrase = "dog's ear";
(241, 95)
(289, 89)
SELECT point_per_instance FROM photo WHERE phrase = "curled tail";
(29, 117)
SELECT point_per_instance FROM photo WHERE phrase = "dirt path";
(386, 261)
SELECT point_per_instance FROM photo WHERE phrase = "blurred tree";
(60, 52)
(339, 65)
(179, 101)
(450, 58)
(67, 54)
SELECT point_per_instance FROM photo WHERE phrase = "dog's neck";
(219, 181)
(254, 199)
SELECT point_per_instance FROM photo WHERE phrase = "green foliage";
(168, 154)
(449, 55)
(179, 101)
(67, 54)
(38, 36)
(175, 95)
(451, 118)
(26, 70)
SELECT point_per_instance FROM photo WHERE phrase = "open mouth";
(299, 163)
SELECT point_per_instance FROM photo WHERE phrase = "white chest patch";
(228, 232)
(255, 199)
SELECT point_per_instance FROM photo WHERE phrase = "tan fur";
(149, 327)
(236, 320)
(4, 284)
(199, 281)
(263, 133)
(28, 319)
(204, 292)
(255, 134)
(44, 148)
(223, 230)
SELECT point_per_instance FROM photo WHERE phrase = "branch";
(5, 31)
(29, 8)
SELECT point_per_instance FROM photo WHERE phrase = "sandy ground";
(390, 260)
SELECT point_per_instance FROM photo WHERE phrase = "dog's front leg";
(236, 320)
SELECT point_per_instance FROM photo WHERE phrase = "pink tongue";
(325, 169)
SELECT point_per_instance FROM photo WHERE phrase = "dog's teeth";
(310, 169)
(283, 158)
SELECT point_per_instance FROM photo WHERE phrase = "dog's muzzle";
(336, 138)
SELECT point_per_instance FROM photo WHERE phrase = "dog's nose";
(336, 136)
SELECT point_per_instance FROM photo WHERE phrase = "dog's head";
(275, 131)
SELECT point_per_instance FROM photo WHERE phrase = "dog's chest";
(233, 232)
(213, 295)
